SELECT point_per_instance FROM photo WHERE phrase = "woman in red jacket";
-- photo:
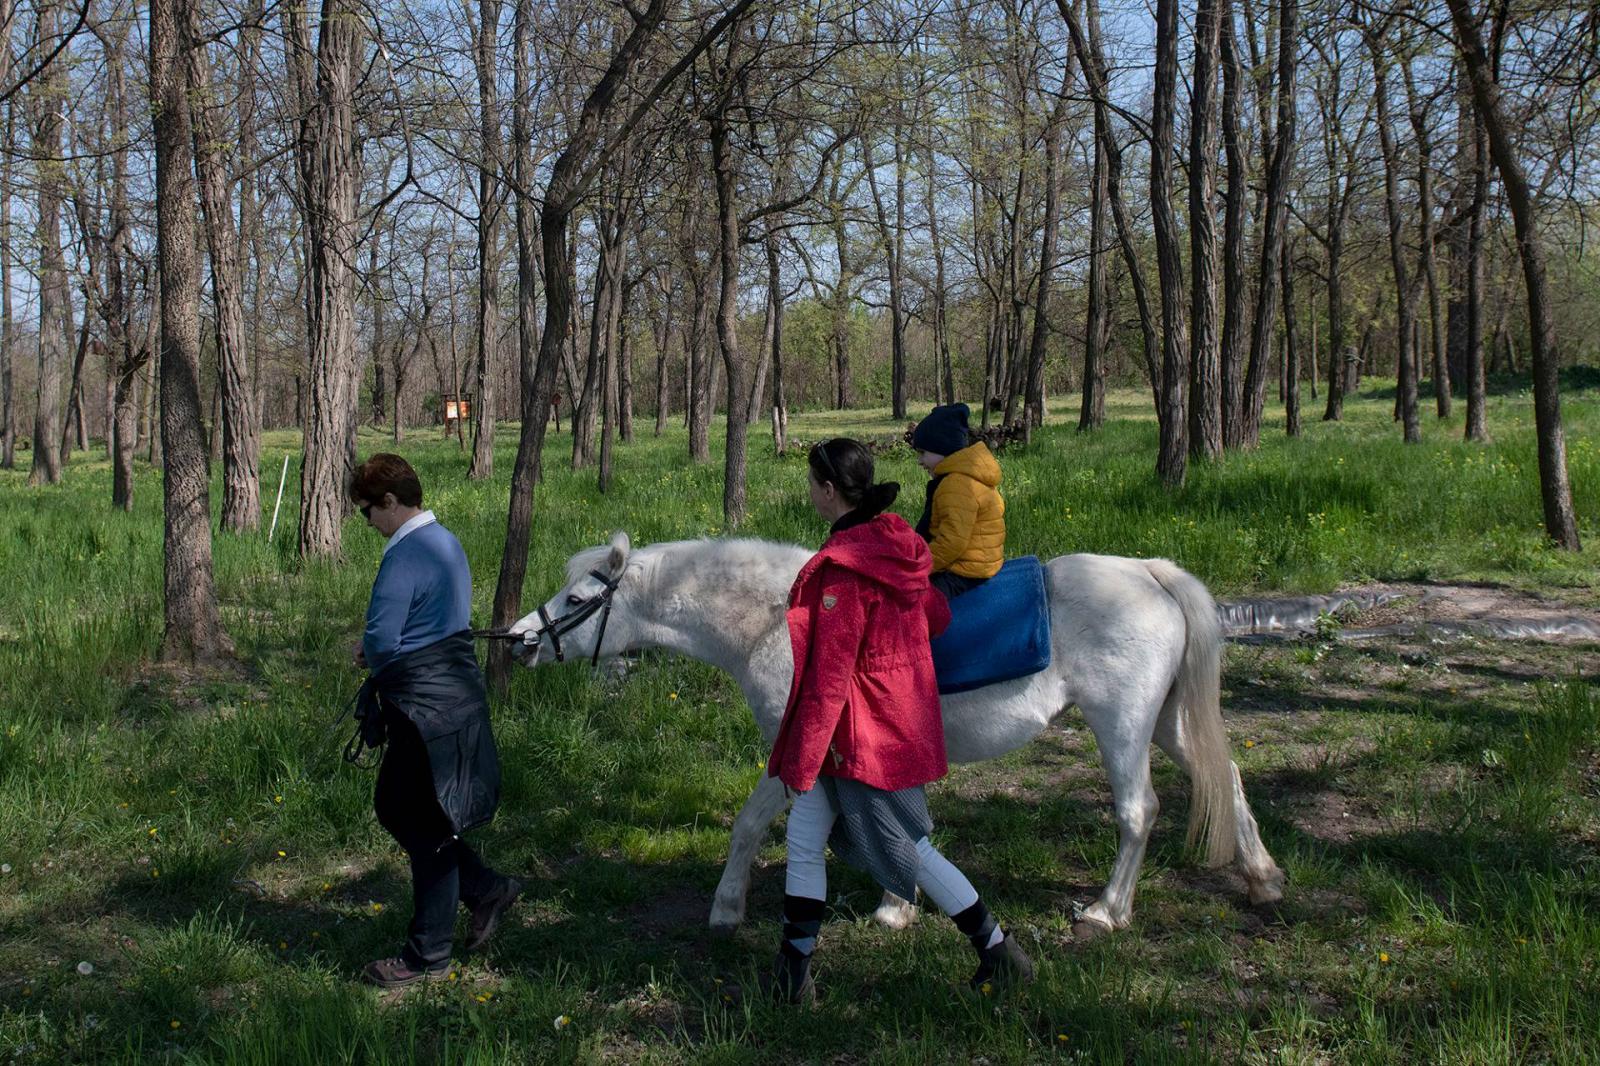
(862, 733)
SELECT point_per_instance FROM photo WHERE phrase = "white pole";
(279, 503)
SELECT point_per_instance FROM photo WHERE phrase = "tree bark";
(1555, 488)
(1291, 347)
(724, 168)
(1405, 310)
(324, 88)
(241, 480)
(47, 98)
(8, 410)
(193, 624)
(1205, 387)
(1472, 354)
(1092, 61)
(482, 465)
(1276, 211)
(1171, 413)
(1232, 360)
(1033, 408)
(1097, 322)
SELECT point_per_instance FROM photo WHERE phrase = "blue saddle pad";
(998, 631)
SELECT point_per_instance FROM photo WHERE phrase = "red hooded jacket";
(864, 703)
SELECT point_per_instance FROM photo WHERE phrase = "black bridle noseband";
(555, 628)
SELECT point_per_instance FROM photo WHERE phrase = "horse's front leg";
(749, 829)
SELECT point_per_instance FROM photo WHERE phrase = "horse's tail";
(1196, 700)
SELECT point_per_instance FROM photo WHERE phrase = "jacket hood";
(975, 461)
(885, 550)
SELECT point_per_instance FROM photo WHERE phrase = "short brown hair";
(384, 473)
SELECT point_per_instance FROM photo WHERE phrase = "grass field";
(189, 872)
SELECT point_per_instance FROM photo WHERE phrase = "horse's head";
(582, 620)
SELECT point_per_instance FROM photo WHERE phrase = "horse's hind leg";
(749, 829)
(1263, 879)
(1125, 751)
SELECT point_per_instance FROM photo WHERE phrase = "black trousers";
(953, 585)
(444, 870)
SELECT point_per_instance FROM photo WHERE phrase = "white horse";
(1136, 646)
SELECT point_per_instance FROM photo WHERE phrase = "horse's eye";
(574, 600)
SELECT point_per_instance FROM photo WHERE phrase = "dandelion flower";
(1249, 743)
(282, 854)
(155, 873)
(377, 908)
(1061, 1038)
(1383, 956)
(174, 1024)
(277, 799)
(562, 1021)
(481, 998)
(152, 831)
(326, 887)
(672, 695)
(987, 988)
(283, 945)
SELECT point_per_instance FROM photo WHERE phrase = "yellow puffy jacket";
(967, 526)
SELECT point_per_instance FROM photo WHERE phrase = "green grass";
(199, 842)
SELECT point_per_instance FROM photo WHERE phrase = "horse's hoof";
(723, 930)
(895, 916)
(1085, 930)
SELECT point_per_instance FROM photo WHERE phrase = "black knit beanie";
(944, 431)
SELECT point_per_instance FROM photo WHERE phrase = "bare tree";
(1275, 219)
(485, 45)
(1405, 292)
(1205, 372)
(194, 631)
(47, 98)
(241, 445)
(1172, 460)
(1555, 488)
(323, 89)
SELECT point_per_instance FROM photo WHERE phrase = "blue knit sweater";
(422, 594)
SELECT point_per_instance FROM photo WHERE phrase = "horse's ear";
(618, 558)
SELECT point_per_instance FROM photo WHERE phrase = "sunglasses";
(819, 455)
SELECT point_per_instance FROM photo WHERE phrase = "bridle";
(555, 628)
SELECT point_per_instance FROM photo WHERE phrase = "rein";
(555, 628)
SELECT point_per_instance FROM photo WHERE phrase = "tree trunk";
(47, 98)
(893, 238)
(1406, 389)
(1033, 391)
(561, 195)
(1172, 461)
(193, 625)
(1091, 61)
(1233, 233)
(1276, 211)
(943, 371)
(380, 403)
(1472, 354)
(324, 86)
(725, 169)
(663, 340)
(1205, 387)
(1097, 323)
(8, 410)
(241, 481)
(1555, 489)
(1291, 348)
(780, 399)
(482, 465)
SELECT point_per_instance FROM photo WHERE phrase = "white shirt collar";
(411, 525)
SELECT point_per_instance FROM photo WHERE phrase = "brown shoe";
(490, 909)
(397, 972)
